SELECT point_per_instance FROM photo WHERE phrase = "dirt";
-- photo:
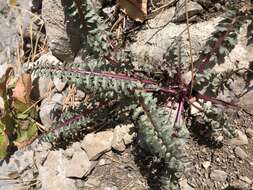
(132, 169)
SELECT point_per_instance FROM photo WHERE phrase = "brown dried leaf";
(23, 89)
(135, 9)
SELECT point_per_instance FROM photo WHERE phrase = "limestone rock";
(184, 185)
(78, 166)
(41, 85)
(50, 109)
(59, 84)
(218, 175)
(249, 132)
(52, 180)
(122, 136)
(12, 186)
(206, 164)
(97, 144)
(92, 182)
(193, 9)
(240, 153)
(64, 38)
(241, 139)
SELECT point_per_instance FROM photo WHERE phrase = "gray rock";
(246, 101)
(59, 84)
(41, 85)
(13, 186)
(245, 179)
(218, 175)
(63, 37)
(97, 144)
(111, 188)
(205, 3)
(241, 139)
(122, 136)
(92, 182)
(239, 185)
(25, 161)
(217, 6)
(240, 153)
(78, 166)
(249, 132)
(184, 185)
(52, 180)
(193, 9)
(159, 43)
(206, 164)
(50, 109)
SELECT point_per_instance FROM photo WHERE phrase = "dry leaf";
(5, 70)
(13, 2)
(23, 89)
(135, 9)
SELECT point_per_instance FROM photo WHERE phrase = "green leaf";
(4, 143)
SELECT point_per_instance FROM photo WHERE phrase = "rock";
(206, 164)
(155, 47)
(52, 180)
(63, 37)
(59, 84)
(13, 186)
(184, 185)
(111, 188)
(240, 153)
(97, 144)
(239, 185)
(217, 6)
(241, 139)
(246, 101)
(194, 108)
(53, 173)
(245, 179)
(249, 132)
(92, 182)
(193, 9)
(78, 166)
(50, 109)
(122, 136)
(25, 161)
(205, 3)
(218, 175)
(41, 85)
(103, 162)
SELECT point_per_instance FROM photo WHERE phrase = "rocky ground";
(115, 159)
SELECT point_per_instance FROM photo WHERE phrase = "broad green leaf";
(4, 142)
(26, 135)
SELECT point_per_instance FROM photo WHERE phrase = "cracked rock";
(241, 139)
(193, 9)
(78, 166)
(218, 175)
(97, 144)
(240, 153)
(122, 137)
